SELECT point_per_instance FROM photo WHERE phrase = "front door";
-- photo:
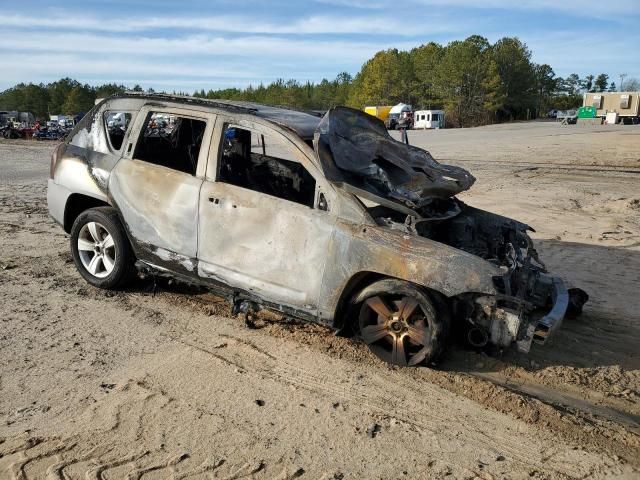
(265, 222)
(156, 185)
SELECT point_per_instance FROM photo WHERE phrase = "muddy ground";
(166, 384)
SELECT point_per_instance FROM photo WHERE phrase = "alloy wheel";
(396, 329)
(96, 249)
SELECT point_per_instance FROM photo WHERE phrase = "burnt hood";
(354, 148)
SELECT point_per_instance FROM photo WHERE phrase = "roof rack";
(302, 122)
(223, 104)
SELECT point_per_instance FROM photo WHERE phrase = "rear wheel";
(100, 248)
(399, 323)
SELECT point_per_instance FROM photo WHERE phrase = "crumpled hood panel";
(355, 148)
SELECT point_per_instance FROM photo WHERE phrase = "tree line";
(64, 96)
(474, 81)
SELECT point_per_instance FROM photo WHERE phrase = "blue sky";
(186, 46)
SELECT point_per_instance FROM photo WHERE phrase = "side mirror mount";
(322, 203)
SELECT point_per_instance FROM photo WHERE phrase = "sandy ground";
(165, 384)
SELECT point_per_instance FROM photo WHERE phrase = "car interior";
(172, 142)
(247, 161)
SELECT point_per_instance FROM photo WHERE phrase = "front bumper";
(541, 330)
(552, 320)
(503, 319)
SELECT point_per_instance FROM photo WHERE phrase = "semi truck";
(396, 116)
(16, 118)
(400, 116)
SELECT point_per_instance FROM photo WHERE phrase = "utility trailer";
(426, 119)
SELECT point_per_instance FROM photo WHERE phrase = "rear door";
(266, 216)
(156, 185)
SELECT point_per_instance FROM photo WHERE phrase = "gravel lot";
(165, 384)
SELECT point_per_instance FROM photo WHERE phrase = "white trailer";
(62, 120)
(428, 119)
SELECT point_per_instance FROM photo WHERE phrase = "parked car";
(329, 220)
(567, 116)
(10, 132)
(400, 116)
(50, 133)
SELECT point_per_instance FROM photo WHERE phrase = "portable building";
(428, 119)
(625, 104)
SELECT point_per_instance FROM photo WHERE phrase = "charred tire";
(101, 249)
(400, 322)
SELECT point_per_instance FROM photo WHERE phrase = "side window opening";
(265, 164)
(171, 141)
(116, 124)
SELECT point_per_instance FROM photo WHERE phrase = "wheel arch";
(361, 280)
(123, 258)
(395, 327)
(78, 203)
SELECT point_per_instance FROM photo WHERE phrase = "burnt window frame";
(142, 121)
(322, 193)
(127, 133)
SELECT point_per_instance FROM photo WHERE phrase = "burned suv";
(326, 219)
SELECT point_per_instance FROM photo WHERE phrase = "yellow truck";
(381, 112)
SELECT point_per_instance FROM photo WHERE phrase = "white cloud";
(114, 67)
(199, 60)
(251, 48)
(364, 4)
(610, 9)
(568, 53)
(310, 25)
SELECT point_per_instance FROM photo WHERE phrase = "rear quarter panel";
(86, 159)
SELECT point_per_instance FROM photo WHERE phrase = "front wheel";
(399, 323)
(100, 248)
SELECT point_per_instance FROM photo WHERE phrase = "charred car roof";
(302, 123)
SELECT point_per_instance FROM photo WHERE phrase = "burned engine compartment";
(497, 239)
(526, 292)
